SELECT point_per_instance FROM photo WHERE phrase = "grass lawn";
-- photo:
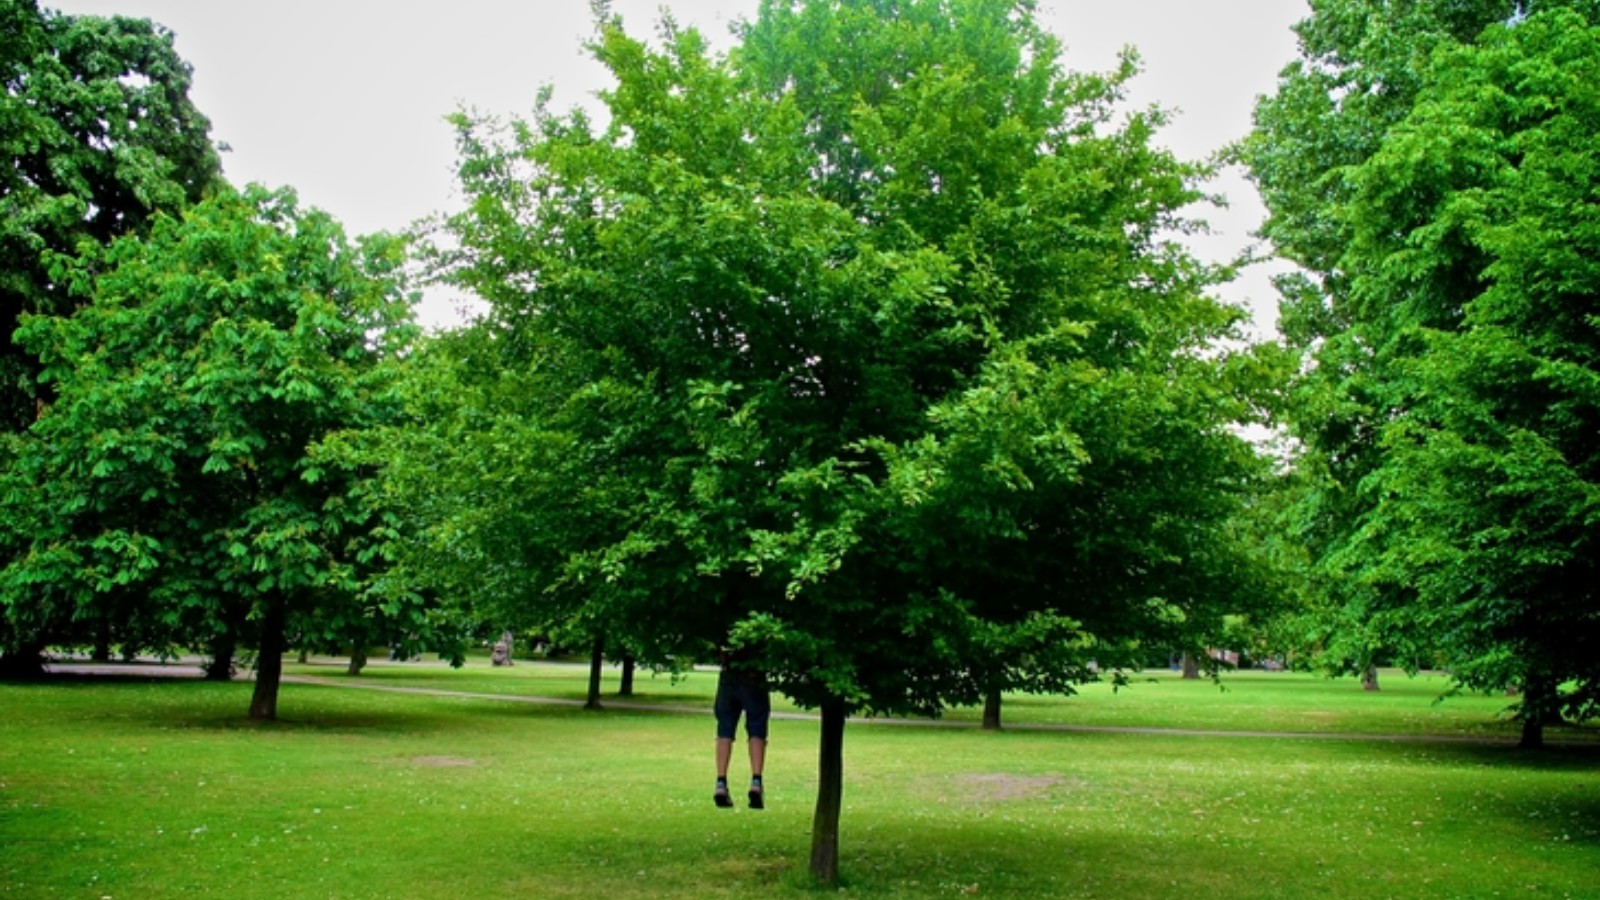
(127, 788)
(1250, 700)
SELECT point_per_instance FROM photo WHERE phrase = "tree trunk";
(626, 690)
(1538, 710)
(220, 666)
(991, 709)
(596, 660)
(269, 663)
(102, 642)
(358, 660)
(1532, 733)
(305, 654)
(1369, 678)
(1191, 668)
(26, 662)
(830, 794)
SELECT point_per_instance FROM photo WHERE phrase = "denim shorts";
(735, 696)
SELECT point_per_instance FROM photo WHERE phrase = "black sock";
(722, 781)
(755, 780)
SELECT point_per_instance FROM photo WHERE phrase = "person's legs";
(758, 755)
(758, 709)
(727, 708)
(724, 754)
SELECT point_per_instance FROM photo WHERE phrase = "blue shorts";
(735, 696)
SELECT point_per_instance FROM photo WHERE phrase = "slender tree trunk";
(626, 690)
(991, 709)
(269, 663)
(102, 642)
(305, 654)
(830, 794)
(1369, 678)
(1191, 668)
(358, 660)
(220, 666)
(596, 660)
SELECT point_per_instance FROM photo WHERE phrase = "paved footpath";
(189, 667)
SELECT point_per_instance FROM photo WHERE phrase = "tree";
(481, 488)
(1324, 621)
(99, 134)
(1362, 62)
(1448, 400)
(866, 347)
(185, 483)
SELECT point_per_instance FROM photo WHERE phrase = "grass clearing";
(128, 788)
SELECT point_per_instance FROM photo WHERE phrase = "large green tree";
(182, 484)
(1431, 167)
(97, 133)
(867, 346)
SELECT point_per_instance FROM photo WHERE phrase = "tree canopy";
(870, 345)
(98, 133)
(182, 485)
(1446, 320)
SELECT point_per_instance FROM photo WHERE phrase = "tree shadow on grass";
(311, 709)
(1576, 755)
(1531, 794)
(222, 706)
(1032, 859)
(959, 859)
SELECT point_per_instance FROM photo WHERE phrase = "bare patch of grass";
(1004, 787)
(444, 762)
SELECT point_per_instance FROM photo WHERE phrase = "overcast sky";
(345, 99)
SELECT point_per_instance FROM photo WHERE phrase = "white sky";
(345, 99)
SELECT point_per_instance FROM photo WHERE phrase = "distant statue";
(500, 655)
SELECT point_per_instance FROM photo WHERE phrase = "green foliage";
(458, 466)
(97, 134)
(1449, 400)
(182, 485)
(867, 345)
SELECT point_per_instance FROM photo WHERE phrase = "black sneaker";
(721, 796)
(757, 801)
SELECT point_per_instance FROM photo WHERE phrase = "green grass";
(1250, 700)
(130, 788)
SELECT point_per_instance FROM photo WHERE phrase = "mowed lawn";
(130, 788)
(1246, 700)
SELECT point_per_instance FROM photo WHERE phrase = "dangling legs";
(727, 709)
(758, 757)
(758, 708)
(724, 755)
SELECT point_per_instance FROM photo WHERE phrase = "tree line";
(871, 347)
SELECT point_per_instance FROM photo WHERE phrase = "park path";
(189, 668)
